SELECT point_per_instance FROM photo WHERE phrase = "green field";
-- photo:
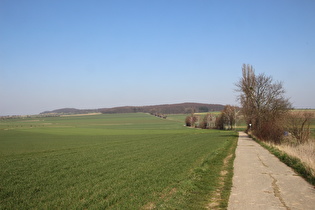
(118, 161)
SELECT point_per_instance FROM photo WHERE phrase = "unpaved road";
(261, 181)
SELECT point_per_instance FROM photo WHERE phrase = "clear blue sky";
(95, 54)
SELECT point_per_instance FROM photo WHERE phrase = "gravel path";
(261, 181)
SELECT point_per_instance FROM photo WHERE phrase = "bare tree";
(229, 112)
(263, 103)
(220, 122)
(207, 122)
(210, 119)
(246, 87)
(191, 120)
(298, 124)
(227, 118)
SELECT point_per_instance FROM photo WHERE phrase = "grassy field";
(118, 161)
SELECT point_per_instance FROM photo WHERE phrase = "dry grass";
(305, 152)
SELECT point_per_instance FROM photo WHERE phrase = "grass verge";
(221, 197)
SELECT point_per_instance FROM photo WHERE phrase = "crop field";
(116, 161)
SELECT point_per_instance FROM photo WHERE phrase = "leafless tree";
(207, 122)
(246, 87)
(263, 103)
(220, 122)
(191, 120)
(227, 118)
(298, 124)
(230, 115)
(210, 120)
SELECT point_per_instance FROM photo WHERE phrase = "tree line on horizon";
(182, 108)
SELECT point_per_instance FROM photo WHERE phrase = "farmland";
(118, 161)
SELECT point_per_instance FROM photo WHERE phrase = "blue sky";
(96, 54)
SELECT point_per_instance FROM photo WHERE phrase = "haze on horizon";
(99, 54)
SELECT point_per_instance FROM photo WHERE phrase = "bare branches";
(227, 118)
(262, 99)
(191, 120)
(298, 124)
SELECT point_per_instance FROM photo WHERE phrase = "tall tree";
(246, 87)
(263, 103)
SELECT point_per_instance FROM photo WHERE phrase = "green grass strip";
(228, 179)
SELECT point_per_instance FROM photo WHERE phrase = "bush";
(191, 120)
(270, 131)
(219, 122)
(298, 124)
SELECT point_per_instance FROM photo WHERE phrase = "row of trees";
(225, 120)
(158, 115)
(205, 122)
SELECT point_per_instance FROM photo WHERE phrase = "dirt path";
(261, 181)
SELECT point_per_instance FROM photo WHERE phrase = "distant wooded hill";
(182, 108)
(166, 108)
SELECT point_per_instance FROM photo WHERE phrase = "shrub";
(219, 122)
(191, 120)
(298, 124)
(271, 131)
